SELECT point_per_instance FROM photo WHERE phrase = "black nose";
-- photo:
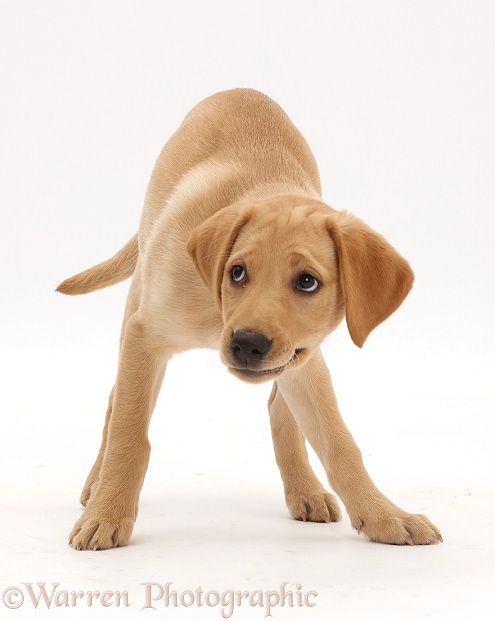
(249, 347)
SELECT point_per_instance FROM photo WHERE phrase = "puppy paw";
(100, 532)
(399, 528)
(317, 507)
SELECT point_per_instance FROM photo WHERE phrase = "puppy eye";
(307, 283)
(238, 275)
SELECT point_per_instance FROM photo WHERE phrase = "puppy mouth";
(264, 374)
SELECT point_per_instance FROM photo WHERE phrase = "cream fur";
(236, 191)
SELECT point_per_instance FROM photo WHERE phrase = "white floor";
(212, 513)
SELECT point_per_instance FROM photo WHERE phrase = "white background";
(397, 100)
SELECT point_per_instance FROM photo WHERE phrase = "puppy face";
(280, 291)
(284, 271)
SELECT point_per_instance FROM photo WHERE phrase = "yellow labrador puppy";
(237, 252)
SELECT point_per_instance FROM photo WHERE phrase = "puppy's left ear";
(210, 244)
(375, 278)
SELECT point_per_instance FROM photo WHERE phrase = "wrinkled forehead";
(295, 235)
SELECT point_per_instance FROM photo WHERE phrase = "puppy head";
(284, 270)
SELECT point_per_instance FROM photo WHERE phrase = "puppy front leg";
(306, 498)
(109, 517)
(309, 394)
(91, 483)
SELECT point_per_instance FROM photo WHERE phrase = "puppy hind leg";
(306, 498)
(94, 473)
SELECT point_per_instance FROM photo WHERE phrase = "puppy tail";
(105, 274)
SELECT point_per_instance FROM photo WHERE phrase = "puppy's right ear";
(210, 244)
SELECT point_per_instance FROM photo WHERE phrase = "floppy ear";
(375, 278)
(210, 244)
